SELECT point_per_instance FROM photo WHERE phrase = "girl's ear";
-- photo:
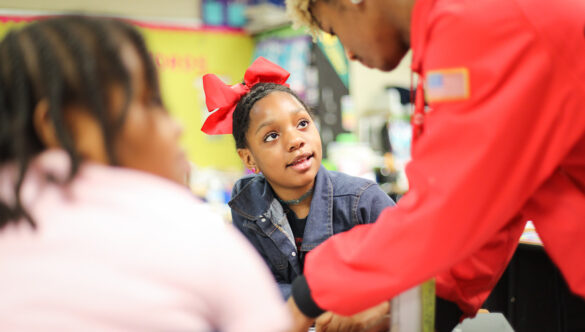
(248, 159)
(84, 129)
(44, 126)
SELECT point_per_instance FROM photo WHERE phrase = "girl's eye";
(270, 137)
(303, 124)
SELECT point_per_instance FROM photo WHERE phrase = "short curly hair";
(300, 13)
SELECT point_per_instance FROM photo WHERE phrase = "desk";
(533, 295)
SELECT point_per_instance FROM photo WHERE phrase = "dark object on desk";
(534, 296)
(447, 315)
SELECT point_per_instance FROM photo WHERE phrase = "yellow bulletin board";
(183, 56)
(10, 22)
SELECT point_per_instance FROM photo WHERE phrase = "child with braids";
(292, 203)
(96, 230)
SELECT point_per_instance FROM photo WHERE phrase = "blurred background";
(360, 112)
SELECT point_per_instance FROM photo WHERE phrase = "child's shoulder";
(344, 184)
(249, 182)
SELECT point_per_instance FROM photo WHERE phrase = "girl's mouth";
(302, 162)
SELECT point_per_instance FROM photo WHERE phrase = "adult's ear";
(44, 126)
(248, 159)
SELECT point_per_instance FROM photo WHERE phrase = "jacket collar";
(254, 200)
(320, 222)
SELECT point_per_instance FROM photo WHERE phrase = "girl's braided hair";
(61, 61)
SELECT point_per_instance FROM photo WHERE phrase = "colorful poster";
(333, 50)
(292, 54)
(182, 56)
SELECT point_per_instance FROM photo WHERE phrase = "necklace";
(298, 200)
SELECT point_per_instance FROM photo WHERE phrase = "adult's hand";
(301, 323)
(375, 319)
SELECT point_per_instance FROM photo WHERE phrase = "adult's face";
(373, 32)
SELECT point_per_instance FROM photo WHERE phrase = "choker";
(298, 200)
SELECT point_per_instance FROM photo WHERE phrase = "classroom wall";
(170, 10)
(183, 56)
(367, 85)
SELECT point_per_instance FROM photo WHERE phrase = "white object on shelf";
(264, 17)
(406, 311)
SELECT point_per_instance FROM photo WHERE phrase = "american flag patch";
(447, 85)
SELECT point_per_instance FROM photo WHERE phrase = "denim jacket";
(339, 202)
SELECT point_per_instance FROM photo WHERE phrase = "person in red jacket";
(502, 142)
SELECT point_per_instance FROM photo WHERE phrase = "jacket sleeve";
(470, 282)
(472, 170)
(285, 289)
(238, 221)
(235, 297)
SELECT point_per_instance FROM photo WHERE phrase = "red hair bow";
(221, 99)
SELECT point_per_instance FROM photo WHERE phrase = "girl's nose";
(296, 143)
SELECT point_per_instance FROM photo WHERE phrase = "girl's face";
(149, 137)
(283, 143)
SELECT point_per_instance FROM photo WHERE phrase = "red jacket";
(503, 142)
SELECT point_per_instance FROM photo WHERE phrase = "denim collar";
(255, 198)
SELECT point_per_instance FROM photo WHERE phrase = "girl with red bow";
(291, 203)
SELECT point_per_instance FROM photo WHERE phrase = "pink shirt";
(122, 250)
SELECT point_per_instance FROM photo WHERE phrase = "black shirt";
(298, 229)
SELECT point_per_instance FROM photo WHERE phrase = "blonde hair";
(299, 12)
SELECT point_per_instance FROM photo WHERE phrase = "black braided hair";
(241, 115)
(62, 61)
